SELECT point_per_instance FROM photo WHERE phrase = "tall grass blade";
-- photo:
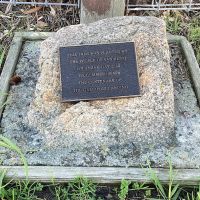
(2, 176)
(176, 194)
(5, 142)
(154, 178)
(174, 190)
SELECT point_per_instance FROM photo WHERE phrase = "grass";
(21, 190)
(8, 144)
(193, 195)
(169, 192)
(194, 36)
(178, 24)
(84, 189)
(173, 23)
(124, 188)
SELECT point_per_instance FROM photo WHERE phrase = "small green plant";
(194, 36)
(170, 191)
(173, 22)
(61, 192)
(22, 190)
(148, 193)
(18, 190)
(2, 185)
(82, 189)
(124, 188)
(194, 33)
(194, 30)
(140, 186)
(194, 194)
(176, 25)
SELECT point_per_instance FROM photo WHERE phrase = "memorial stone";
(111, 131)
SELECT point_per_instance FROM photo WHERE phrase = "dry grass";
(25, 18)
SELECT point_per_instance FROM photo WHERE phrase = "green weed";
(178, 25)
(21, 190)
(148, 193)
(140, 186)
(192, 196)
(194, 30)
(124, 188)
(169, 192)
(194, 36)
(173, 22)
(194, 193)
(82, 189)
(2, 185)
(61, 192)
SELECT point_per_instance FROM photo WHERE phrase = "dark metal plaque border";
(117, 58)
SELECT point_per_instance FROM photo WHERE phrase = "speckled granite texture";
(185, 150)
(106, 126)
(120, 132)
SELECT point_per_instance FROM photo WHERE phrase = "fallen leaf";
(15, 80)
(32, 10)
(41, 24)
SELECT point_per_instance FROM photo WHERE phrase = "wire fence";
(159, 5)
(132, 5)
(73, 3)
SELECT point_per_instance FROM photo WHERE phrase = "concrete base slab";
(185, 151)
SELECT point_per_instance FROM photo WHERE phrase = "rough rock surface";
(108, 124)
(185, 151)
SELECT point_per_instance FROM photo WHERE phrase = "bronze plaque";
(100, 71)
